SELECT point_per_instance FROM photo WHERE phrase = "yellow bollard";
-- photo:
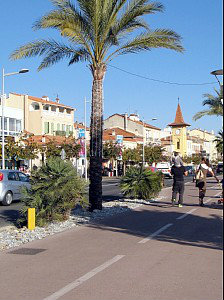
(31, 218)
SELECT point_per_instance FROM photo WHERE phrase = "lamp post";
(143, 150)
(3, 103)
(216, 74)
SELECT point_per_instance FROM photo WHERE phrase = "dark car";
(190, 170)
(219, 168)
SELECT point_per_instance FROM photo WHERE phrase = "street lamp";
(3, 102)
(143, 150)
(218, 73)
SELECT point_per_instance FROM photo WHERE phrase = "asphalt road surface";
(111, 191)
(156, 251)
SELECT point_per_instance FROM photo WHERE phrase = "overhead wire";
(161, 81)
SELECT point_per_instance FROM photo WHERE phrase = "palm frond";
(160, 38)
(202, 113)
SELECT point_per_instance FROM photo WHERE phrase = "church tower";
(179, 133)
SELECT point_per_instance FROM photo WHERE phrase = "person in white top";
(201, 179)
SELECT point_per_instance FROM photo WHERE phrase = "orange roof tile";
(138, 122)
(45, 101)
(39, 139)
(179, 120)
(80, 126)
(119, 131)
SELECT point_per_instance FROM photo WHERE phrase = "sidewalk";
(154, 252)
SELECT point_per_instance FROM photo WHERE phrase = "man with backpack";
(201, 178)
(178, 171)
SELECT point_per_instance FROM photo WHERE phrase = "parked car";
(11, 182)
(190, 170)
(219, 168)
(165, 168)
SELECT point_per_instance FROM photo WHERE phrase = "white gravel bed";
(15, 237)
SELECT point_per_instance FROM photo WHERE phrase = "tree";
(140, 183)
(111, 151)
(153, 154)
(214, 103)
(98, 31)
(219, 142)
(55, 190)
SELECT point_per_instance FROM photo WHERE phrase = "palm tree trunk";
(96, 141)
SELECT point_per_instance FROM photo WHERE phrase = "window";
(63, 127)
(53, 108)
(12, 176)
(52, 128)
(58, 127)
(46, 127)
(46, 107)
(67, 129)
(23, 177)
(68, 111)
(178, 145)
(61, 109)
(18, 126)
(12, 124)
(5, 124)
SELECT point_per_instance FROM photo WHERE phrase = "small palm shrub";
(139, 183)
(55, 190)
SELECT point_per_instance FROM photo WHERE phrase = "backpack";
(199, 177)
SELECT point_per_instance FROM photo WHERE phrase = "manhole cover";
(27, 251)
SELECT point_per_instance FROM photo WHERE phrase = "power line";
(161, 81)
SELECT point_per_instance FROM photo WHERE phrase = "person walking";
(201, 178)
(178, 171)
(176, 159)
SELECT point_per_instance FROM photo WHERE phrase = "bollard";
(31, 218)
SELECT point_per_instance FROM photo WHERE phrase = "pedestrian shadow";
(195, 230)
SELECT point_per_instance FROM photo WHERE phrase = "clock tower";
(179, 133)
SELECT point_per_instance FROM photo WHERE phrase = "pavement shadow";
(195, 230)
(10, 216)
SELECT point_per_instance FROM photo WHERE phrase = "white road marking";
(194, 209)
(185, 215)
(150, 237)
(84, 278)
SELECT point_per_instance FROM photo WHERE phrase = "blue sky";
(198, 22)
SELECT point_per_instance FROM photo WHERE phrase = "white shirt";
(204, 166)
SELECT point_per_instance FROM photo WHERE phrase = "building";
(179, 133)
(133, 124)
(13, 119)
(177, 138)
(207, 141)
(41, 115)
(129, 139)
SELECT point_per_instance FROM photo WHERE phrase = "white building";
(13, 119)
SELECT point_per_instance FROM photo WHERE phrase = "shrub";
(55, 190)
(140, 183)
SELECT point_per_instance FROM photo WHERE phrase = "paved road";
(154, 252)
(111, 191)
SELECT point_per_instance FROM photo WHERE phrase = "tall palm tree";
(219, 142)
(214, 103)
(97, 31)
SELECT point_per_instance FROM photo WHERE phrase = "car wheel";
(7, 199)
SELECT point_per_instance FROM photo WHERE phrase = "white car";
(165, 168)
(11, 182)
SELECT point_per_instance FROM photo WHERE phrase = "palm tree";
(219, 142)
(214, 103)
(97, 31)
